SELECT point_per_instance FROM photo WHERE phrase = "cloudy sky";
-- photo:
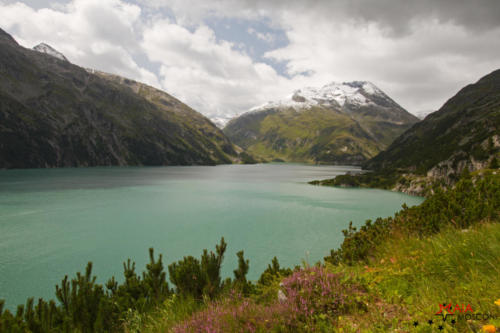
(223, 57)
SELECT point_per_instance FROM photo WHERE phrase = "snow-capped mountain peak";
(332, 94)
(45, 48)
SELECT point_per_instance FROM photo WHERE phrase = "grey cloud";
(398, 15)
(395, 14)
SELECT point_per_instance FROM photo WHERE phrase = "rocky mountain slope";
(56, 114)
(47, 49)
(464, 132)
(340, 123)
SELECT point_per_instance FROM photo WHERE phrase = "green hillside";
(305, 136)
(322, 132)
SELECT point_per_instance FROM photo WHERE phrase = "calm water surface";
(53, 221)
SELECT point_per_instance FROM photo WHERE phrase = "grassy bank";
(408, 278)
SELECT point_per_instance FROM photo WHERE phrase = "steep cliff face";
(340, 123)
(56, 114)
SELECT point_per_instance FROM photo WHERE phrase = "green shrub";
(240, 275)
(273, 272)
(472, 200)
(383, 180)
(494, 163)
(198, 278)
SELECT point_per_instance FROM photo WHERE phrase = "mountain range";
(56, 114)
(339, 123)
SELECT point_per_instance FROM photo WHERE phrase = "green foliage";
(273, 272)
(155, 279)
(246, 158)
(473, 199)
(494, 163)
(29, 318)
(187, 276)
(198, 278)
(240, 275)
(382, 180)
(479, 153)
(80, 300)
(161, 319)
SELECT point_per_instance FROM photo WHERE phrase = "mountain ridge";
(331, 94)
(47, 49)
(56, 114)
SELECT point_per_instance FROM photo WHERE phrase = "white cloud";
(266, 37)
(208, 74)
(100, 34)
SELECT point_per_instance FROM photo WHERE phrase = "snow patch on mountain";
(333, 94)
(47, 49)
(220, 120)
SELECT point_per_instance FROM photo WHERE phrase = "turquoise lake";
(53, 221)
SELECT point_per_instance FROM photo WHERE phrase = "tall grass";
(162, 319)
(418, 274)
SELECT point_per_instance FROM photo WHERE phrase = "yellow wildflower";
(497, 302)
(489, 329)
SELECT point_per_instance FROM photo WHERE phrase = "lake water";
(53, 221)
